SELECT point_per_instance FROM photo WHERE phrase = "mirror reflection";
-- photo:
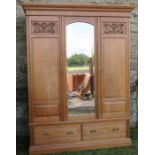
(80, 69)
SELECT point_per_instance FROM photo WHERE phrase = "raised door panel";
(44, 68)
(114, 67)
(115, 108)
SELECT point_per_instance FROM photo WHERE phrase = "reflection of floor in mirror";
(77, 105)
(77, 102)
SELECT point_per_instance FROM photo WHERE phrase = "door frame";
(95, 21)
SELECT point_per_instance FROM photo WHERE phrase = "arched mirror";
(80, 70)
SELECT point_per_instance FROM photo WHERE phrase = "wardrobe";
(54, 127)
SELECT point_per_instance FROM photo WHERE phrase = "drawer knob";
(115, 129)
(93, 131)
(70, 133)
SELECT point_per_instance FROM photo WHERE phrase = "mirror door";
(80, 70)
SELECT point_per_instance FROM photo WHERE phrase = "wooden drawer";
(56, 134)
(104, 130)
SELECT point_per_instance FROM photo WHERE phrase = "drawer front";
(56, 134)
(104, 130)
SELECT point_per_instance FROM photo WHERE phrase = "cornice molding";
(78, 7)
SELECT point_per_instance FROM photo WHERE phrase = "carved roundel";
(44, 27)
(114, 28)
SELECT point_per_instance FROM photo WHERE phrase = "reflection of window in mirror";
(80, 69)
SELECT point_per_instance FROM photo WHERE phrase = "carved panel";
(44, 27)
(114, 28)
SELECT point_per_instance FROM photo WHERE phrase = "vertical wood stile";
(98, 68)
(61, 70)
(28, 76)
(64, 85)
(128, 76)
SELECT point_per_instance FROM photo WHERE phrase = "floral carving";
(44, 27)
(114, 28)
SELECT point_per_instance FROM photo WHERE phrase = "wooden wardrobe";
(50, 128)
